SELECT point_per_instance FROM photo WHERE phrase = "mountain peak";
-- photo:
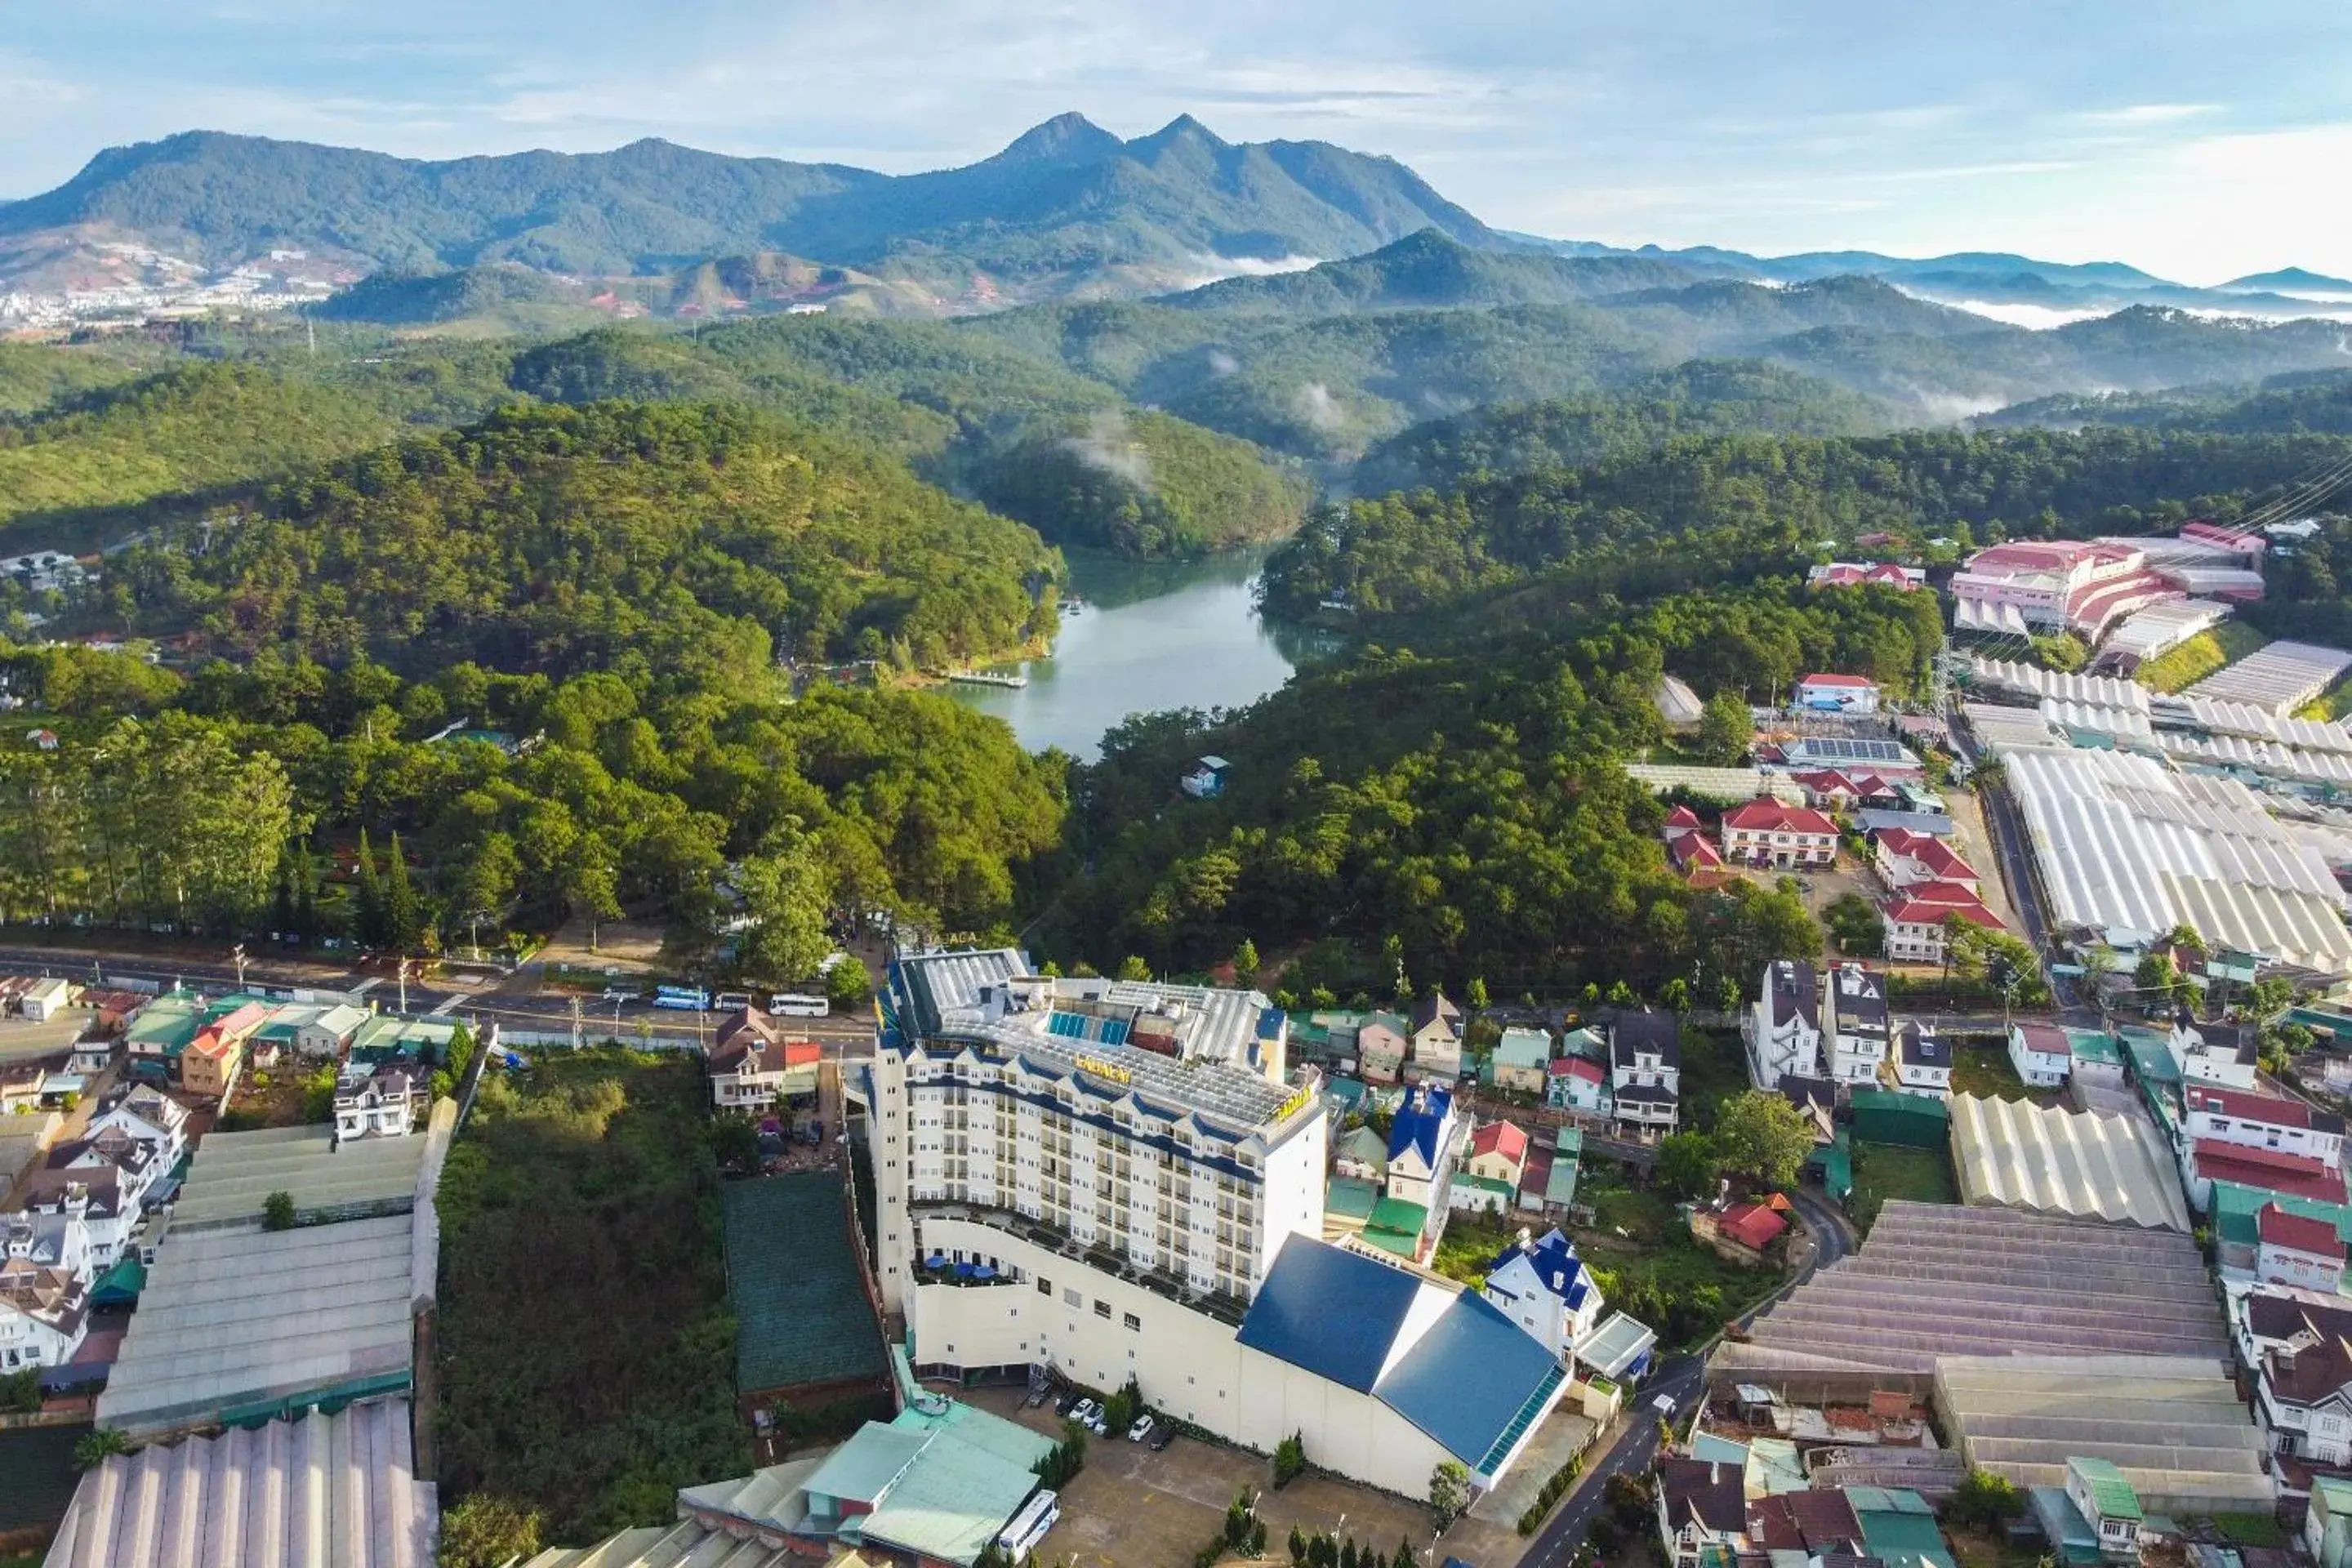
(1069, 138)
(1184, 128)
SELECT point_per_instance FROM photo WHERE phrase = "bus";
(682, 998)
(798, 1005)
(1026, 1529)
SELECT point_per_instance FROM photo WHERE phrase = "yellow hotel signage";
(1295, 1103)
(1103, 1069)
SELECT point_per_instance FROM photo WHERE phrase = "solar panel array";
(1842, 749)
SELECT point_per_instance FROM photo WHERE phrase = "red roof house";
(2299, 1233)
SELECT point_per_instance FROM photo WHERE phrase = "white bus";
(682, 998)
(1026, 1529)
(798, 1005)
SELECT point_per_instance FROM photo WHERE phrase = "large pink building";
(2081, 586)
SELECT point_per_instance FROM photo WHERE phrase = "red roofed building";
(1857, 573)
(1905, 858)
(1838, 693)
(2244, 542)
(1576, 1083)
(1741, 1232)
(1914, 920)
(1836, 791)
(752, 1064)
(2296, 1250)
(1498, 1152)
(1767, 833)
(2061, 584)
(1693, 850)
(1682, 820)
(2254, 1122)
(2265, 1170)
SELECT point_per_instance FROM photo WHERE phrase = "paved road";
(1682, 1378)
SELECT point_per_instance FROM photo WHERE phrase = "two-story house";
(1421, 1145)
(2042, 1054)
(1905, 858)
(2107, 1502)
(2231, 1063)
(1768, 833)
(753, 1065)
(2260, 1139)
(1361, 1154)
(1645, 1073)
(382, 1104)
(2303, 1398)
(1856, 1024)
(1497, 1158)
(1784, 1026)
(1435, 1039)
(1576, 1083)
(1915, 921)
(44, 1276)
(1702, 1503)
(1519, 1060)
(2297, 1250)
(1381, 1048)
(1920, 1063)
(142, 1111)
(1544, 1287)
(215, 1056)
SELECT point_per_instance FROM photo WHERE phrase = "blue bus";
(682, 998)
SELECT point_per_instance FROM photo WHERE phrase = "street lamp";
(236, 954)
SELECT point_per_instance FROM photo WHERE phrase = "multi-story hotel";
(1150, 1123)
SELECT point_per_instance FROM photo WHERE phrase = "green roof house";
(1363, 1154)
(1899, 1528)
(2099, 1491)
(1519, 1060)
(2327, 1526)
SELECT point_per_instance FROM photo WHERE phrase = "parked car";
(1162, 1435)
(1098, 1423)
(619, 993)
(1067, 1404)
(1085, 1411)
(1141, 1429)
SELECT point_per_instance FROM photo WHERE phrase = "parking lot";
(1133, 1508)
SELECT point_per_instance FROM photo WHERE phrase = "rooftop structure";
(803, 1316)
(234, 1174)
(2247, 721)
(1726, 785)
(2036, 684)
(1942, 1280)
(2053, 1161)
(2174, 1426)
(1848, 754)
(937, 1483)
(2082, 586)
(2278, 679)
(1999, 730)
(339, 1489)
(2144, 634)
(1678, 706)
(1862, 573)
(2125, 850)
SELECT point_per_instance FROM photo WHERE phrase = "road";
(1635, 1448)
(541, 1011)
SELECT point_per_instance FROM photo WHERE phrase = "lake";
(1152, 636)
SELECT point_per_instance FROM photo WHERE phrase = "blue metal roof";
(1331, 1312)
(1558, 1268)
(1470, 1379)
(1417, 1129)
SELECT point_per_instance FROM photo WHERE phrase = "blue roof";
(1470, 1379)
(1558, 1268)
(1416, 1129)
(1331, 1312)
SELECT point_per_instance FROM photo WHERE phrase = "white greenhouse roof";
(2278, 679)
(2264, 757)
(2054, 1160)
(1727, 784)
(2145, 633)
(2000, 729)
(232, 1175)
(2124, 724)
(2033, 681)
(339, 1489)
(2212, 718)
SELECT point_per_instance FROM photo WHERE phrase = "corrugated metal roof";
(2277, 678)
(1298, 1314)
(339, 1489)
(2055, 1160)
(233, 1173)
(2033, 681)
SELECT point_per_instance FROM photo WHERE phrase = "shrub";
(278, 1212)
(1289, 1459)
(1553, 1490)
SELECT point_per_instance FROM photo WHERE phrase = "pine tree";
(306, 893)
(367, 898)
(404, 918)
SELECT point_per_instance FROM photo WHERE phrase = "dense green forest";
(700, 542)
(1143, 485)
(1698, 498)
(2311, 401)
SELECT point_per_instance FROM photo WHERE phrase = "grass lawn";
(1883, 1171)
(1470, 1242)
(2199, 656)
(1641, 1246)
(1973, 1551)
(1987, 1071)
(2251, 1529)
(587, 1352)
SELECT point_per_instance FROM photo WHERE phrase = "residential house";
(1519, 1060)
(1903, 858)
(1498, 1152)
(46, 998)
(44, 1291)
(1837, 694)
(2272, 1318)
(752, 1064)
(24, 1085)
(2303, 1398)
(1702, 1504)
(210, 1064)
(1817, 1098)
(2328, 1522)
(1920, 1063)
(1421, 1145)
(1858, 573)
(1767, 833)
(1379, 1048)
(1917, 919)
(1835, 789)
(2259, 1141)
(157, 1038)
(2042, 1054)
(1435, 1042)
(2231, 1064)
(1817, 1525)
(1544, 1287)
(91, 1055)
(1855, 1024)
(1740, 1232)
(144, 1112)
(1205, 779)
(1784, 1026)
(2104, 1498)
(384, 1104)
(328, 1034)
(2297, 1250)
(1576, 1083)
(1362, 1155)
(1646, 1071)
(1681, 823)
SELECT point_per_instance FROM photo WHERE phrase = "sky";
(2200, 140)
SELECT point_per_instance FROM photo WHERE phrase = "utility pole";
(237, 955)
(404, 985)
(575, 1022)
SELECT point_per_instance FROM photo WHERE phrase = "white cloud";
(2148, 113)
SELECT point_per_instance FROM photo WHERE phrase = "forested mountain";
(1657, 516)
(1701, 398)
(698, 543)
(2320, 401)
(1431, 270)
(1066, 204)
(33, 376)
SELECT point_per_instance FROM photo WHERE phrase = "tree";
(1689, 1165)
(1675, 996)
(2159, 980)
(1763, 1137)
(1403, 1557)
(1449, 1491)
(99, 1445)
(1297, 1547)
(1289, 1459)
(1726, 731)
(486, 883)
(786, 891)
(1133, 968)
(367, 898)
(1245, 963)
(595, 884)
(278, 1211)
(488, 1532)
(734, 1143)
(846, 984)
(404, 918)
(1982, 1501)
(1124, 1406)
(1473, 996)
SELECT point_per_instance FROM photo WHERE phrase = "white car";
(1084, 1412)
(1098, 1423)
(1141, 1429)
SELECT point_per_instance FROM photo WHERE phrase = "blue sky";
(2200, 140)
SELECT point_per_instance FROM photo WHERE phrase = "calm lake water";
(1150, 637)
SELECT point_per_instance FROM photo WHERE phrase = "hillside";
(2313, 400)
(1143, 485)
(33, 375)
(1065, 204)
(1432, 270)
(703, 541)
